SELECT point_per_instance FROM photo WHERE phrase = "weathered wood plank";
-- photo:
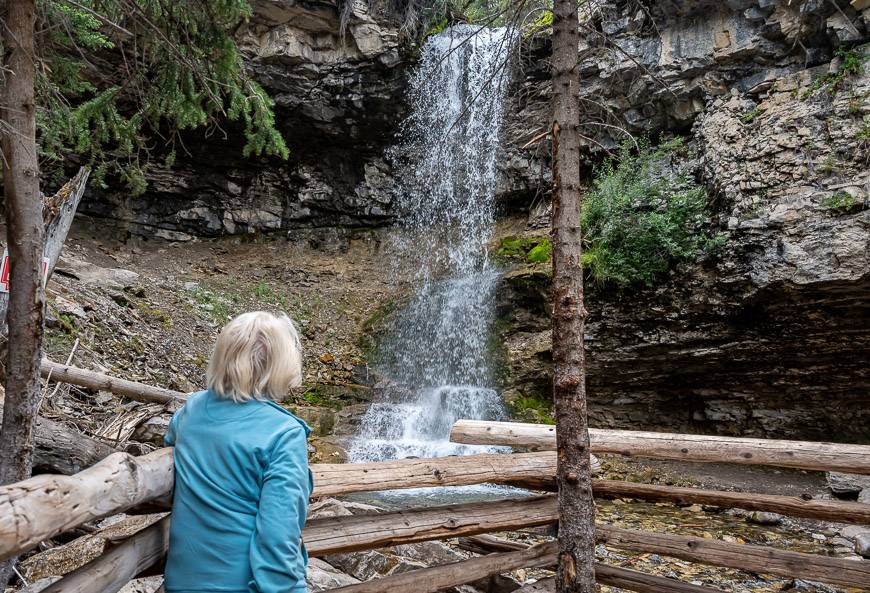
(631, 580)
(760, 559)
(793, 506)
(531, 470)
(683, 447)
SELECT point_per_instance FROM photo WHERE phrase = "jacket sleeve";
(278, 558)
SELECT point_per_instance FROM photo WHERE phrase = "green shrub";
(642, 215)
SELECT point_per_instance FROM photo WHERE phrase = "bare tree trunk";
(575, 573)
(24, 239)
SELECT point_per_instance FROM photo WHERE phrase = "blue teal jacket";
(241, 497)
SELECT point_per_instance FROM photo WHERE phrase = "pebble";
(764, 518)
(862, 544)
(819, 537)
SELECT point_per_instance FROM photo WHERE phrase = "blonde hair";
(257, 356)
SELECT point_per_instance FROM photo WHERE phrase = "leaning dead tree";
(575, 572)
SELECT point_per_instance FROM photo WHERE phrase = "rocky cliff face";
(338, 100)
(771, 337)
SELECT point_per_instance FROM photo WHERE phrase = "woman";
(241, 468)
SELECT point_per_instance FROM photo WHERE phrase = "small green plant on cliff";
(750, 116)
(643, 214)
(529, 249)
(531, 408)
(841, 201)
(541, 252)
(851, 63)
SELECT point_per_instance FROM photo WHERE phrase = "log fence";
(47, 505)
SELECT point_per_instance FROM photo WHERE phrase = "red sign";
(4, 271)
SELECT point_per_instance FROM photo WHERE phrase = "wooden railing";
(47, 505)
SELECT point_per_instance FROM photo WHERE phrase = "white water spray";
(436, 358)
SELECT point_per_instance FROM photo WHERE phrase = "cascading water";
(435, 360)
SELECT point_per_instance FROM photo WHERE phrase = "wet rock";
(322, 576)
(348, 419)
(847, 485)
(327, 450)
(764, 518)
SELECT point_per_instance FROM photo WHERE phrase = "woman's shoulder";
(285, 419)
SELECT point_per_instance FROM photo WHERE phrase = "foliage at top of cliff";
(644, 213)
(118, 80)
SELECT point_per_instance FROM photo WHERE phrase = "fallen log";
(529, 470)
(623, 578)
(437, 578)
(486, 544)
(119, 565)
(683, 447)
(605, 574)
(760, 559)
(47, 505)
(63, 450)
(794, 506)
(99, 382)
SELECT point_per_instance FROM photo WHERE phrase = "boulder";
(322, 576)
(94, 275)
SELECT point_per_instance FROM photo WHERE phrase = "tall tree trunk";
(574, 478)
(24, 228)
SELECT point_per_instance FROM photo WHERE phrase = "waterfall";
(435, 360)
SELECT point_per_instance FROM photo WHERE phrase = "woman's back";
(241, 493)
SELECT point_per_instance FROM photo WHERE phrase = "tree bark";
(24, 239)
(575, 573)
(681, 447)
